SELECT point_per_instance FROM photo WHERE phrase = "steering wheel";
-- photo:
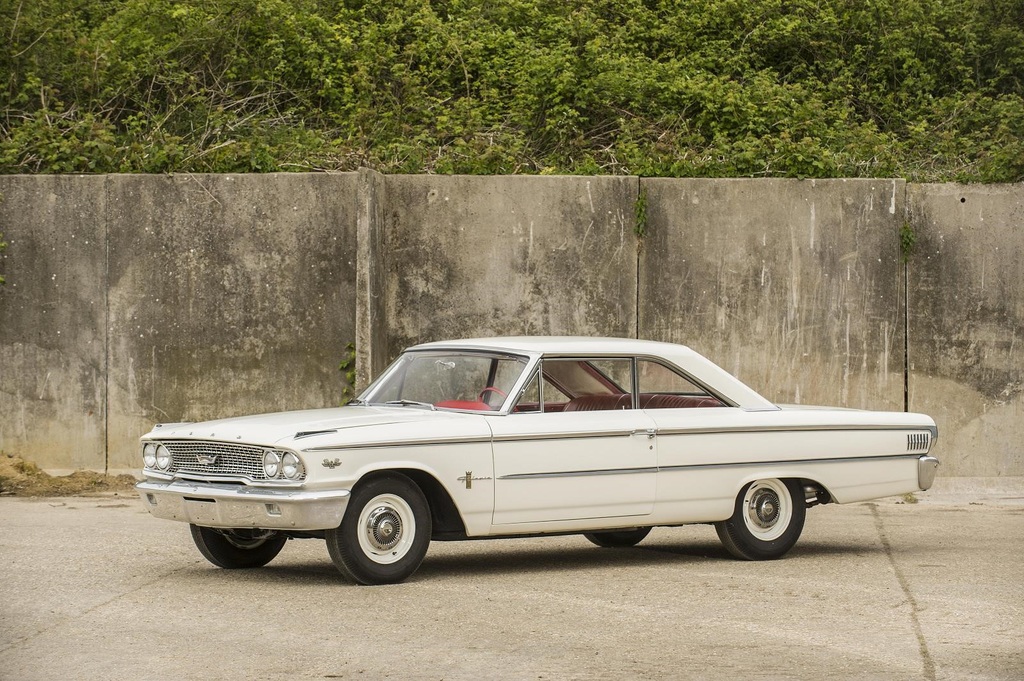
(483, 394)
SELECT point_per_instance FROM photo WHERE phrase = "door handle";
(650, 432)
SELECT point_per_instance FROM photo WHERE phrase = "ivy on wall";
(929, 90)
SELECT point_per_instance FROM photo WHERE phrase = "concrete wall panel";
(967, 323)
(793, 286)
(479, 256)
(229, 294)
(52, 327)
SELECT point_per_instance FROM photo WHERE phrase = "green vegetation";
(348, 369)
(640, 213)
(908, 239)
(930, 90)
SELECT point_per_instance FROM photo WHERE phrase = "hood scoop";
(310, 433)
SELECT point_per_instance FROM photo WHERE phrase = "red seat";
(665, 401)
(600, 402)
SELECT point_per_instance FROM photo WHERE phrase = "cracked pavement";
(94, 588)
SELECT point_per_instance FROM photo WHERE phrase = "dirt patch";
(24, 479)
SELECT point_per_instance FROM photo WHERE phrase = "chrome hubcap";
(763, 508)
(384, 528)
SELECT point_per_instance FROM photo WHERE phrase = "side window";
(658, 378)
(618, 371)
(664, 388)
(591, 384)
(530, 400)
(554, 399)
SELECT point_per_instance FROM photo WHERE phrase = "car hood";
(353, 423)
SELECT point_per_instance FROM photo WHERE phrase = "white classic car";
(465, 439)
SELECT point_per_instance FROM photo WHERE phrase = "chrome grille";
(918, 442)
(199, 458)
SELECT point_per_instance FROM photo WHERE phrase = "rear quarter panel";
(706, 456)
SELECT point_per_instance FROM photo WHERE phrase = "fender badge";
(468, 479)
(331, 463)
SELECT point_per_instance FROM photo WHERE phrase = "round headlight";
(291, 466)
(271, 464)
(163, 457)
(149, 455)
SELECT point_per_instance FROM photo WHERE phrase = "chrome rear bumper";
(926, 467)
(213, 505)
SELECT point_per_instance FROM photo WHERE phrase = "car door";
(693, 442)
(575, 464)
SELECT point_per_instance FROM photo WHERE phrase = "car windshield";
(476, 381)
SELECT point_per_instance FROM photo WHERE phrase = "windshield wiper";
(358, 403)
(411, 403)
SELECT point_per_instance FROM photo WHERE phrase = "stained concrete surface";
(94, 588)
(967, 323)
(229, 295)
(134, 299)
(52, 320)
(470, 256)
(793, 286)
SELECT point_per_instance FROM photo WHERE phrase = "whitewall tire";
(767, 520)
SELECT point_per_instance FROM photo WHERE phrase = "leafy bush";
(926, 89)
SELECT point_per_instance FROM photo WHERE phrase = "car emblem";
(331, 463)
(468, 478)
(206, 459)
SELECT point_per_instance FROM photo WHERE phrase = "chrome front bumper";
(212, 505)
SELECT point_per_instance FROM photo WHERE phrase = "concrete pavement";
(94, 588)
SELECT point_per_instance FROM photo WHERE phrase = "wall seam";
(905, 259)
(106, 325)
(639, 247)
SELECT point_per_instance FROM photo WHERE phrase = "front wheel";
(766, 521)
(618, 539)
(234, 549)
(385, 532)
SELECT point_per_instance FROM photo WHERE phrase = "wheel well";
(444, 516)
(815, 493)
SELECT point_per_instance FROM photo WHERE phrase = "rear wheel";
(241, 548)
(766, 521)
(385, 532)
(618, 538)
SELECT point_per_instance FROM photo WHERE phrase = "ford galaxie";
(602, 437)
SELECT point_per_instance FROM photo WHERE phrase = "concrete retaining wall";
(966, 293)
(229, 295)
(792, 286)
(53, 379)
(140, 299)
(484, 256)
(137, 299)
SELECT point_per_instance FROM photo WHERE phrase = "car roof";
(558, 345)
(692, 362)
